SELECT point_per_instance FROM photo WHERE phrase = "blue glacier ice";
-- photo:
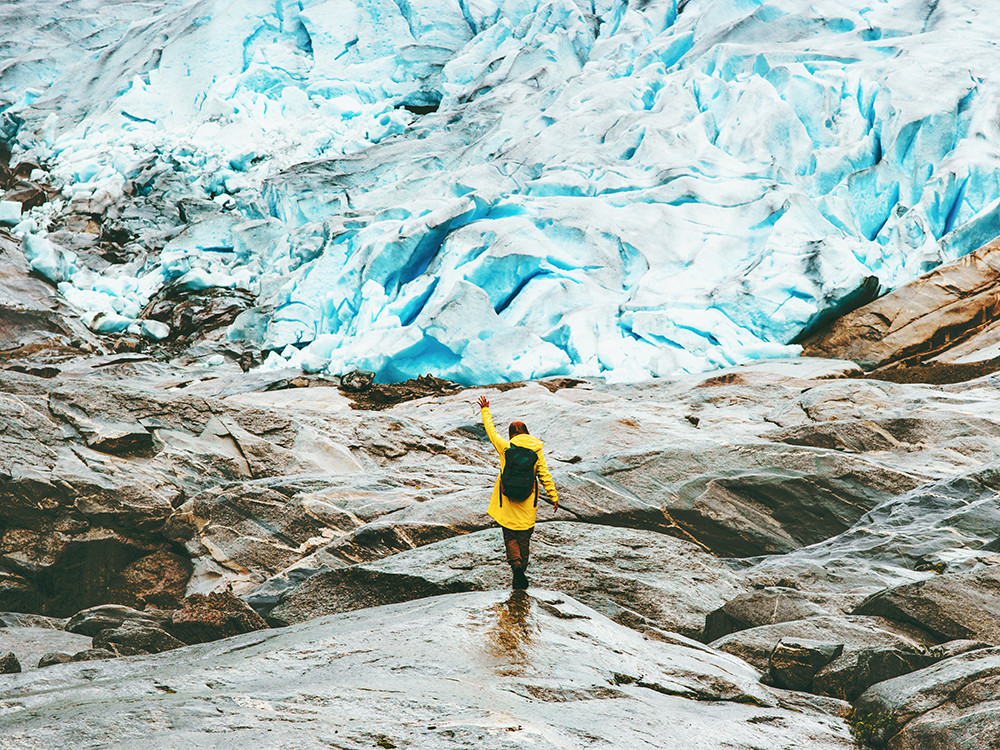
(495, 190)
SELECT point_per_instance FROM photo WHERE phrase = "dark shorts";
(516, 545)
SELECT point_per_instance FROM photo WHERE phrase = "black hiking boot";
(520, 580)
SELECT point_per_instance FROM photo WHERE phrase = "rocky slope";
(778, 512)
(778, 555)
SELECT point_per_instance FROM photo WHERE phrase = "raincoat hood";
(527, 441)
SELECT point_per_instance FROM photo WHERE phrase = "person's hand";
(555, 506)
(484, 402)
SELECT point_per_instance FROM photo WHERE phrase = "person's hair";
(517, 428)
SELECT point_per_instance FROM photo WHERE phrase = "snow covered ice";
(506, 189)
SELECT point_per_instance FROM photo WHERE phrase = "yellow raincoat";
(517, 515)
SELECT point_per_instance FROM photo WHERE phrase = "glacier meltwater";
(495, 190)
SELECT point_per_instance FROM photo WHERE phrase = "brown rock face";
(32, 316)
(189, 313)
(953, 305)
(205, 618)
(158, 580)
(794, 662)
(63, 573)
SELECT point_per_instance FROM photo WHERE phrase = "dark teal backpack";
(517, 480)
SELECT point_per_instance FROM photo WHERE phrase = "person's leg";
(516, 546)
(523, 538)
(512, 547)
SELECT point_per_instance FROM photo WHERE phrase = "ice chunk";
(109, 322)
(154, 329)
(47, 259)
(10, 212)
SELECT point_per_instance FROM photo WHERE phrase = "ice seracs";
(509, 189)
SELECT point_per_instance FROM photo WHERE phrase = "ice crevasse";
(497, 190)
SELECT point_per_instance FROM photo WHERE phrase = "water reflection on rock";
(509, 639)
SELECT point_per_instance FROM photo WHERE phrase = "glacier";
(497, 190)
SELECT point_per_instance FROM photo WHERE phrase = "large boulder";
(951, 704)
(854, 632)
(93, 654)
(794, 662)
(951, 606)
(9, 663)
(51, 658)
(642, 579)
(764, 606)
(92, 621)
(484, 669)
(848, 637)
(211, 617)
(132, 638)
(947, 306)
(880, 664)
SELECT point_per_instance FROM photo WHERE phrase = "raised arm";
(498, 442)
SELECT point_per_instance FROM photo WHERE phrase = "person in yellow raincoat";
(517, 518)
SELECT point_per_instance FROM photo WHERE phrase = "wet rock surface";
(646, 581)
(484, 669)
(853, 633)
(249, 484)
(766, 606)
